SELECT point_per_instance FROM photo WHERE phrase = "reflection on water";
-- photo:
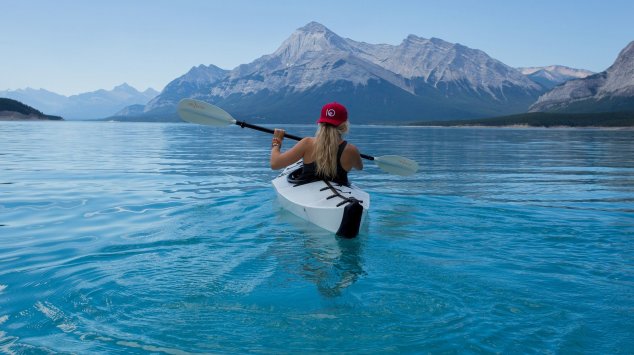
(333, 264)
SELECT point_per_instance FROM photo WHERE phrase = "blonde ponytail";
(326, 146)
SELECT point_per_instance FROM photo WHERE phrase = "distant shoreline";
(535, 120)
(544, 120)
(13, 110)
(606, 128)
(16, 116)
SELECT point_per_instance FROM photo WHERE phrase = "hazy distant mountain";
(195, 83)
(91, 105)
(417, 79)
(553, 75)
(46, 101)
(610, 90)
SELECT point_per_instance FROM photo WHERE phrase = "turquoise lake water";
(166, 238)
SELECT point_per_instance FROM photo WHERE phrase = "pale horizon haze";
(70, 47)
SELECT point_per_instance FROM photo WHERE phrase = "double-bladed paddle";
(200, 112)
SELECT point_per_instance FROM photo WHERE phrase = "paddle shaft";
(286, 135)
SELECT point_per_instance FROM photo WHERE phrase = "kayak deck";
(337, 208)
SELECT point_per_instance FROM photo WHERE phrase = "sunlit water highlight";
(166, 238)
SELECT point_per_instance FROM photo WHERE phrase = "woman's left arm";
(354, 157)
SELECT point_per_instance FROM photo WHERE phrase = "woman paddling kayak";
(326, 156)
(337, 207)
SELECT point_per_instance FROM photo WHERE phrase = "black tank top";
(309, 171)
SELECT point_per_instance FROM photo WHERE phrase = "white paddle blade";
(396, 165)
(200, 112)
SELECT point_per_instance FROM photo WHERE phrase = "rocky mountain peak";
(314, 27)
(620, 75)
(125, 88)
(553, 75)
(626, 54)
(556, 70)
(610, 90)
(203, 73)
(311, 38)
(414, 39)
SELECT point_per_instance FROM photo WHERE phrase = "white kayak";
(337, 208)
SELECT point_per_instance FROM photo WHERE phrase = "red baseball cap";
(333, 113)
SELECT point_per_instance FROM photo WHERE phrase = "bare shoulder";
(351, 157)
(352, 148)
(308, 143)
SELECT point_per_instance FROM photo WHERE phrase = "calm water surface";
(166, 238)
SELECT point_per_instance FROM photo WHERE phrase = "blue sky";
(73, 46)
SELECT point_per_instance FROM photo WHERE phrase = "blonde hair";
(326, 146)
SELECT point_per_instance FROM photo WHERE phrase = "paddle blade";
(200, 112)
(396, 165)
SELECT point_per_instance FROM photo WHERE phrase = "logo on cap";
(333, 114)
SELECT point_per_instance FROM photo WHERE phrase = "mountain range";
(419, 79)
(90, 105)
